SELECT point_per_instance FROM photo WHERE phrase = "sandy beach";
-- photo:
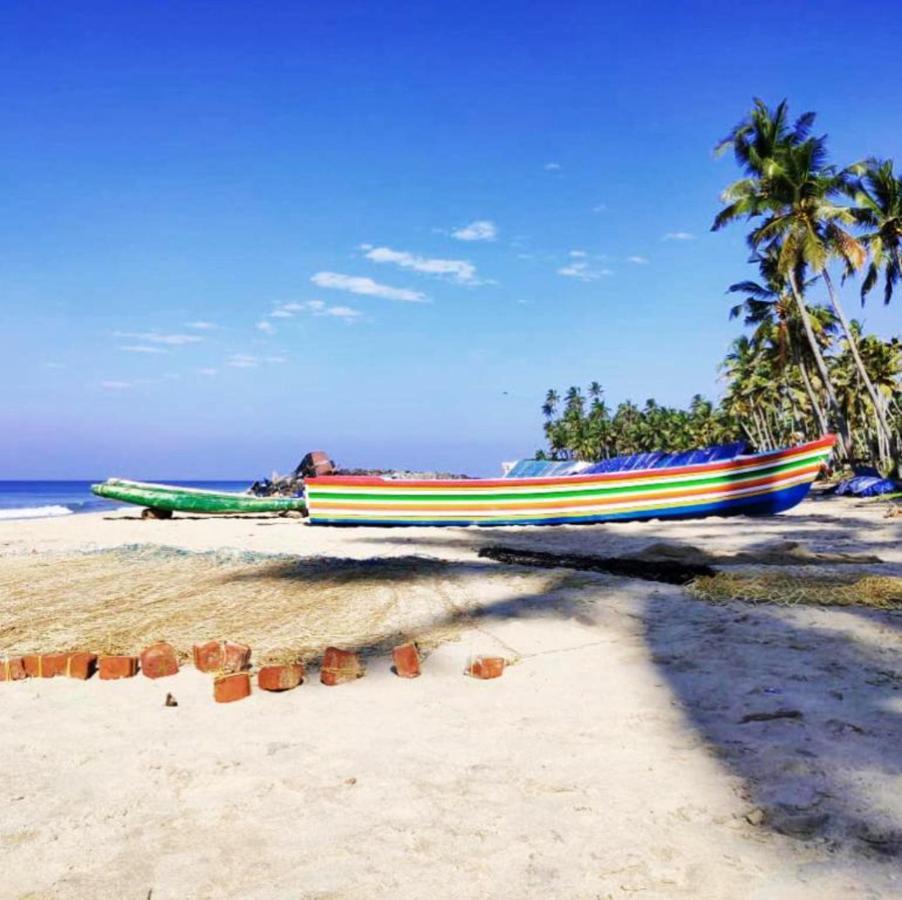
(630, 749)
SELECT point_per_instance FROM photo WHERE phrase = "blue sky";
(232, 232)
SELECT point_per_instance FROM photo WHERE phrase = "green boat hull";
(174, 498)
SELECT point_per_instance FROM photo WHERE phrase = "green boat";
(161, 500)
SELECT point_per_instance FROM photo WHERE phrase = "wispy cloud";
(142, 348)
(242, 361)
(280, 313)
(357, 284)
(154, 337)
(265, 327)
(582, 271)
(320, 308)
(637, 260)
(202, 326)
(276, 359)
(209, 372)
(578, 254)
(116, 385)
(459, 270)
(480, 230)
(552, 167)
(678, 236)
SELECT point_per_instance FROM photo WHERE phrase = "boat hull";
(181, 499)
(763, 484)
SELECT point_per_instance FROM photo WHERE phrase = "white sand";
(610, 761)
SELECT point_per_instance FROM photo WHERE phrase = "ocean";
(42, 499)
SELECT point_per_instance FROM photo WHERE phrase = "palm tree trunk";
(845, 438)
(812, 396)
(883, 430)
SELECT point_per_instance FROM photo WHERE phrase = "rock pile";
(317, 464)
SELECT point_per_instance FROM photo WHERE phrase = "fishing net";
(283, 607)
(791, 588)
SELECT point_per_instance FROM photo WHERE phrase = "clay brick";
(486, 667)
(208, 657)
(81, 665)
(340, 666)
(159, 661)
(406, 660)
(40, 665)
(55, 664)
(228, 688)
(280, 678)
(235, 657)
(12, 669)
(113, 667)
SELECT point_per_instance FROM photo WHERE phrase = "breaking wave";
(35, 512)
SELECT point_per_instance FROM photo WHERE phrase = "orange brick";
(228, 688)
(486, 667)
(114, 667)
(81, 665)
(12, 669)
(159, 660)
(340, 666)
(406, 660)
(280, 678)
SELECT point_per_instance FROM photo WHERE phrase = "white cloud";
(678, 236)
(208, 372)
(202, 326)
(359, 285)
(154, 337)
(242, 361)
(280, 313)
(457, 269)
(266, 327)
(141, 348)
(320, 308)
(552, 167)
(480, 230)
(116, 385)
(582, 271)
(54, 365)
(276, 359)
(638, 260)
(578, 254)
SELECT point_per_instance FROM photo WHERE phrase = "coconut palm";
(770, 307)
(878, 208)
(794, 192)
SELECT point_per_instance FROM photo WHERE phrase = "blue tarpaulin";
(542, 468)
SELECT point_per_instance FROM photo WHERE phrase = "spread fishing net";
(791, 588)
(120, 601)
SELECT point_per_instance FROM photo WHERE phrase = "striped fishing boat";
(752, 485)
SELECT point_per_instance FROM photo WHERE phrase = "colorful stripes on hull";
(763, 484)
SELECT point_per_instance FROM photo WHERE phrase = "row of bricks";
(227, 661)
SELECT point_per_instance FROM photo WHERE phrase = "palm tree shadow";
(796, 702)
(803, 713)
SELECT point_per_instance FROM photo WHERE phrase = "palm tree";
(769, 306)
(878, 200)
(794, 190)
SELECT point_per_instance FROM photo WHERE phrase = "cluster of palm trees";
(806, 368)
(582, 426)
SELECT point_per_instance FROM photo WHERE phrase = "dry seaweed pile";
(790, 588)
(122, 600)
